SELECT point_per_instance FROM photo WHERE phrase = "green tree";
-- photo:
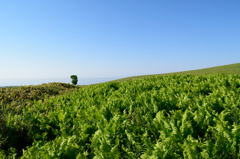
(74, 79)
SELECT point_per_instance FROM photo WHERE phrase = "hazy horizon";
(104, 39)
(26, 82)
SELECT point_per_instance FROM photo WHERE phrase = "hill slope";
(226, 69)
(158, 117)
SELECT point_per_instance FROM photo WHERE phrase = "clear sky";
(42, 39)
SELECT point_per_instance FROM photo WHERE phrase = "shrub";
(74, 79)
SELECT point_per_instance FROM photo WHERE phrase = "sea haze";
(81, 81)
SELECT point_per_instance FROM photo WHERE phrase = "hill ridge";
(226, 69)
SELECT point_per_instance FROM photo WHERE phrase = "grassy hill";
(162, 116)
(158, 117)
(226, 69)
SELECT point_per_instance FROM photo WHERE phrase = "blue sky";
(43, 39)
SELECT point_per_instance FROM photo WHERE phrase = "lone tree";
(74, 79)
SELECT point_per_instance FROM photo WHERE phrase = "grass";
(42, 93)
(96, 105)
(226, 69)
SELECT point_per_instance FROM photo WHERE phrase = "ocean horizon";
(26, 82)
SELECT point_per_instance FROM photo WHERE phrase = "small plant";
(74, 79)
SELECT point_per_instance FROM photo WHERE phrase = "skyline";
(81, 81)
(115, 39)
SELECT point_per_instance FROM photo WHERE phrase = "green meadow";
(226, 69)
(190, 114)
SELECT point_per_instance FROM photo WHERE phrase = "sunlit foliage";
(176, 116)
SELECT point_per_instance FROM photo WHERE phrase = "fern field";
(176, 116)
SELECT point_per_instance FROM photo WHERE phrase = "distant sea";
(81, 81)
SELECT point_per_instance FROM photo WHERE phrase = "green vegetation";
(175, 116)
(226, 69)
(74, 79)
(18, 100)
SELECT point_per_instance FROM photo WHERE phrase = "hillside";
(7, 86)
(226, 69)
(158, 117)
